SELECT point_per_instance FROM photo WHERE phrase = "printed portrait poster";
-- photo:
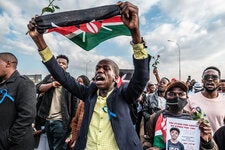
(188, 137)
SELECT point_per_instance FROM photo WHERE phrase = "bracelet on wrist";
(142, 42)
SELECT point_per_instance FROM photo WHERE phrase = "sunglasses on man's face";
(207, 77)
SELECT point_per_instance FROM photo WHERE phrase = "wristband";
(142, 42)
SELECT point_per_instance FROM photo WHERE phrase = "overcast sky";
(198, 27)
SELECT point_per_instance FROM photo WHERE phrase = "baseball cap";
(177, 83)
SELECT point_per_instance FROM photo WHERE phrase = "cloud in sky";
(197, 26)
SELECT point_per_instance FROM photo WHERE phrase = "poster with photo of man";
(182, 134)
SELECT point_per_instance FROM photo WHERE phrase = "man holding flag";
(106, 123)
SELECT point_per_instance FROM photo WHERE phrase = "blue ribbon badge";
(5, 94)
(111, 114)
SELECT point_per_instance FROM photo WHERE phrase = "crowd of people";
(78, 113)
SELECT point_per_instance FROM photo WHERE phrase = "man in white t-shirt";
(210, 100)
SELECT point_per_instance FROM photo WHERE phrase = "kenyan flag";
(87, 28)
(89, 35)
(160, 133)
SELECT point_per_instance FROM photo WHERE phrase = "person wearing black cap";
(176, 99)
(173, 143)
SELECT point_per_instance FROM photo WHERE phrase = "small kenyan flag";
(98, 25)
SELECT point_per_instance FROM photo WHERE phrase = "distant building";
(36, 78)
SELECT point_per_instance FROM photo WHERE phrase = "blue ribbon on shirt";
(5, 94)
(111, 114)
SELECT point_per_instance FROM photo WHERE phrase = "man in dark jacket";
(17, 106)
(106, 123)
(57, 107)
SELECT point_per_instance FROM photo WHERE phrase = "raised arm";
(156, 74)
(53, 67)
(37, 37)
(130, 18)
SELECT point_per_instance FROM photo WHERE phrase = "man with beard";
(209, 100)
(106, 123)
(176, 99)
